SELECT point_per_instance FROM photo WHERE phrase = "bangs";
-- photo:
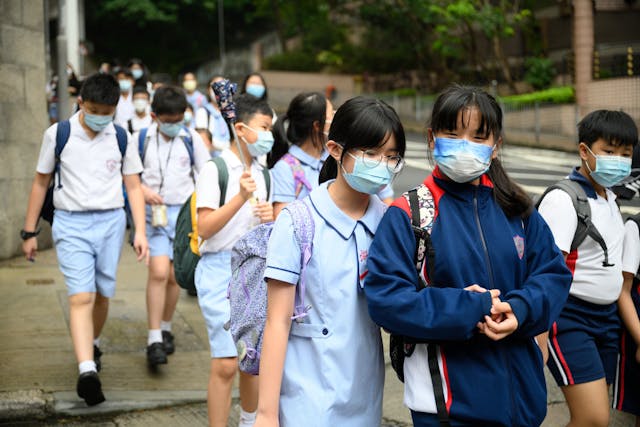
(459, 99)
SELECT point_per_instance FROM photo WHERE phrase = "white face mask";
(140, 105)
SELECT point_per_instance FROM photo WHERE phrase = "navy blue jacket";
(487, 382)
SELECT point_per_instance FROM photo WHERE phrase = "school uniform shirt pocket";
(307, 330)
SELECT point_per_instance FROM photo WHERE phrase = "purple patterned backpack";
(298, 173)
(247, 291)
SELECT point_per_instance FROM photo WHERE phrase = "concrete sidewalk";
(38, 370)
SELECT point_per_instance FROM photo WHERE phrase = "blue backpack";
(62, 136)
(247, 290)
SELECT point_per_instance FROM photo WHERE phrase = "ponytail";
(280, 142)
(513, 200)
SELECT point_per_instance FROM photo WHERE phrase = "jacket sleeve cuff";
(520, 310)
(486, 304)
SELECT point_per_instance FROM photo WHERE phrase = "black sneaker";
(156, 354)
(89, 388)
(97, 354)
(167, 340)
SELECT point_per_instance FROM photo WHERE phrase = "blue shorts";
(212, 282)
(583, 343)
(88, 245)
(626, 391)
(161, 238)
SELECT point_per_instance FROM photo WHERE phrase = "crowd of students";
(479, 288)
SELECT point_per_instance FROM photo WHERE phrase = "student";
(141, 119)
(125, 109)
(210, 124)
(497, 282)
(254, 84)
(139, 73)
(583, 342)
(89, 222)
(167, 181)
(220, 225)
(626, 394)
(194, 96)
(300, 132)
(328, 370)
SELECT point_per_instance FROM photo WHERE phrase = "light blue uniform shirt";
(284, 186)
(334, 368)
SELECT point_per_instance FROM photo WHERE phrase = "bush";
(556, 95)
(540, 72)
(296, 60)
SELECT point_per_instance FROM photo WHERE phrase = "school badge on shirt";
(519, 242)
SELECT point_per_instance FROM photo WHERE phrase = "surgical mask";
(187, 117)
(256, 90)
(137, 73)
(189, 85)
(263, 144)
(170, 129)
(369, 180)
(462, 160)
(140, 105)
(125, 85)
(610, 170)
(97, 122)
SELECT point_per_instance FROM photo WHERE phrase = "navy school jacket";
(485, 381)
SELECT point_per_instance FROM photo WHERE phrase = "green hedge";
(554, 95)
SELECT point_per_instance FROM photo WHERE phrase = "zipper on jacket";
(484, 243)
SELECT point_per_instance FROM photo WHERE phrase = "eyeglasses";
(371, 159)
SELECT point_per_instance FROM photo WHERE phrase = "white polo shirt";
(208, 196)
(631, 249)
(138, 123)
(124, 110)
(592, 282)
(90, 169)
(167, 162)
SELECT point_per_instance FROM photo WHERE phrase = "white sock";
(155, 335)
(165, 326)
(247, 419)
(87, 366)
(96, 342)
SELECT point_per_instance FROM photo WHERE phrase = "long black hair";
(296, 125)
(243, 88)
(513, 200)
(362, 122)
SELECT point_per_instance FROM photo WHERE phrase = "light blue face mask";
(256, 90)
(368, 180)
(97, 122)
(263, 144)
(170, 129)
(462, 160)
(137, 73)
(610, 170)
(125, 85)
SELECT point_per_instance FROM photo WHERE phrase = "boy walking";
(583, 342)
(89, 222)
(221, 222)
(170, 153)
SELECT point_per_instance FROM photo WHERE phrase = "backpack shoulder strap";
(123, 139)
(422, 207)
(303, 231)
(130, 126)
(142, 143)
(267, 180)
(298, 173)
(188, 143)
(223, 177)
(62, 136)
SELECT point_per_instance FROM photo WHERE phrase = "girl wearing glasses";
(497, 279)
(327, 369)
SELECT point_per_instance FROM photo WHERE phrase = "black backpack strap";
(62, 136)
(436, 380)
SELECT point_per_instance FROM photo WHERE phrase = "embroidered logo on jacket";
(519, 242)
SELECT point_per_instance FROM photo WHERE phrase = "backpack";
(423, 210)
(186, 247)
(62, 137)
(583, 211)
(247, 290)
(298, 173)
(636, 279)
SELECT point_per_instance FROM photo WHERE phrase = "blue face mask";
(137, 73)
(97, 122)
(125, 85)
(170, 129)
(462, 160)
(610, 170)
(368, 180)
(256, 90)
(263, 144)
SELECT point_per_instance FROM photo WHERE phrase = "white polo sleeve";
(631, 248)
(283, 252)
(132, 164)
(557, 210)
(200, 152)
(47, 157)
(207, 188)
(201, 118)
